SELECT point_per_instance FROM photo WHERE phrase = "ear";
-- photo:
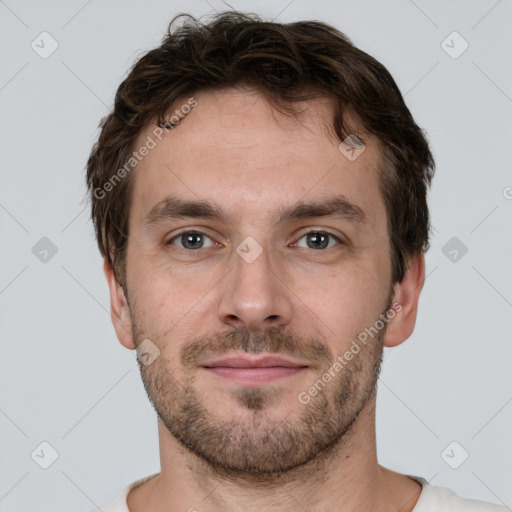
(407, 294)
(119, 309)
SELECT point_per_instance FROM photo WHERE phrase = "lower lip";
(254, 375)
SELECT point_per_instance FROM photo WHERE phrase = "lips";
(246, 362)
(253, 370)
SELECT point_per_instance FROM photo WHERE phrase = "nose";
(254, 295)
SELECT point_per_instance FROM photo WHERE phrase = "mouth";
(254, 370)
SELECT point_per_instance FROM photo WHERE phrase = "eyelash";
(317, 231)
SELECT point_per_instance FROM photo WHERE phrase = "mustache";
(272, 340)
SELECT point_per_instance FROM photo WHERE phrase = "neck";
(347, 478)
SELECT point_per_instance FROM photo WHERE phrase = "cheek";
(346, 302)
(168, 302)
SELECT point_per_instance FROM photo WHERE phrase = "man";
(259, 197)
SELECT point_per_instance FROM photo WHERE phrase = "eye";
(319, 240)
(190, 240)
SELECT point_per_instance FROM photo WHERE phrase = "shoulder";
(119, 504)
(441, 499)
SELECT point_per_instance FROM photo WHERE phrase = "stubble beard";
(259, 447)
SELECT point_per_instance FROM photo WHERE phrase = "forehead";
(233, 149)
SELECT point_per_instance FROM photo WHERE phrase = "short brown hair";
(287, 63)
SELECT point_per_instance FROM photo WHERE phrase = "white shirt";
(432, 499)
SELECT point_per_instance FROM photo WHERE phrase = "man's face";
(255, 284)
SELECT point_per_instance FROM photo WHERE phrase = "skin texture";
(230, 446)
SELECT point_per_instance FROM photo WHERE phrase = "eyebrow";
(172, 208)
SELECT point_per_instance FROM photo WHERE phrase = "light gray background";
(66, 380)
